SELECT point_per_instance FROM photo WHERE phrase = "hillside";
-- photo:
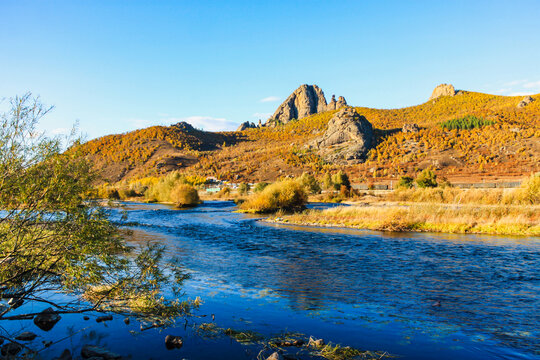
(510, 147)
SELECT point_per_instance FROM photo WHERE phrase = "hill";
(405, 141)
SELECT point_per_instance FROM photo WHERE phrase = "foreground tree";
(52, 238)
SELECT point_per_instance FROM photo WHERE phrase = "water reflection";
(487, 287)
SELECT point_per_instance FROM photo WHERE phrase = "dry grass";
(500, 220)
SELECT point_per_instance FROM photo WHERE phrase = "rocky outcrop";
(348, 138)
(246, 125)
(173, 342)
(410, 128)
(334, 105)
(304, 101)
(525, 101)
(443, 90)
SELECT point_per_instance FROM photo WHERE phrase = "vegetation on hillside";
(466, 123)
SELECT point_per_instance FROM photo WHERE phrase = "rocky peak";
(184, 126)
(525, 101)
(443, 90)
(334, 105)
(246, 125)
(304, 101)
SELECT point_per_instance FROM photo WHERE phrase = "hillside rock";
(443, 90)
(410, 128)
(525, 101)
(334, 105)
(304, 101)
(348, 137)
(246, 125)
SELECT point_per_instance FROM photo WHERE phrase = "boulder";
(89, 351)
(525, 101)
(443, 90)
(26, 336)
(66, 355)
(410, 128)
(246, 125)
(104, 318)
(304, 101)
(11, 349)
(348, 137)
(275, 356)
(173, 342)
(46, 319)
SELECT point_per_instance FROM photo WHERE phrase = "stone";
(66, 355)
(275, 356)
(90, 351)
(26, 336)
(173, 342)
(15, 302)
(304, 101)
(86, 317)
(46, 319)
(11, 349)
(443, 90)
(525, 101)
(348, 137)
(246, 125)
(335, 105)
(47, 343)
(317, 343)
(410, 128)
(104, 318)
(126, 321)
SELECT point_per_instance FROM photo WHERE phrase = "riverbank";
(424, 217)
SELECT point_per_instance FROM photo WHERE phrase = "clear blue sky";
(120, 65)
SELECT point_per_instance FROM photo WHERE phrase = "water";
(418, 296)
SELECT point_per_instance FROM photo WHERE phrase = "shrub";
(226, 191)
(283, 195)
(426, 179)
(243, 188)
(530, 189)
(327, 181)
(260, 186)
(340, 179)
(405, 182)
(309, 183)
(466, 123)
(184, 195)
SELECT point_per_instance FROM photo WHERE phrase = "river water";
(417, 296)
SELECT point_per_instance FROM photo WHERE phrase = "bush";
(309, 183)
(285, 195)
(340, 179)
(466, 123)
(426, 179)
(405, 182)
(260, 186)
(243, 188)
(226, 191)
(530, 189)
(185, 195)
(327, 181)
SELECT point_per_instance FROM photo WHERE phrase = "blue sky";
(115, 66)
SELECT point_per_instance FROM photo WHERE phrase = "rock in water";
(443, 90)
(304, 101)
(410, 128)
(275, 356)
(26, 336)
(348, 137)
(46, 319)
(11, 349)
(66, 355)
(173, 342)
(89, 351)
(525, 101)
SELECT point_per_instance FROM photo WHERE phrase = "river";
(417, 296)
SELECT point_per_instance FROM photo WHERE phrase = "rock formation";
(443, 90)
(246, 125)
(304, 101)
(410, 128)
(525, 101)
(348, 137)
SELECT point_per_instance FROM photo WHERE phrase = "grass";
(499, 220)
(338, 352)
